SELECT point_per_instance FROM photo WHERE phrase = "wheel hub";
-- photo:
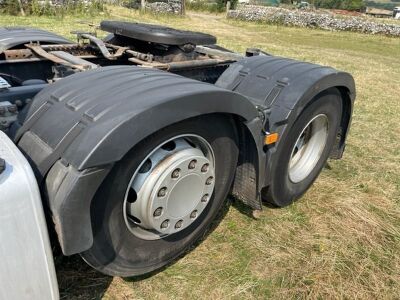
(172, 189)
(308, 148)
(179, 204)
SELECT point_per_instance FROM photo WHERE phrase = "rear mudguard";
(79, 126)
(11, 37)
(281, 88)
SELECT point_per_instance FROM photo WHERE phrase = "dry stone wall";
(312, 19)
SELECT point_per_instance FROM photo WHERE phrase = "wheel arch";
(70, 192)
(281, 88)
(101, 153)
(77, 128)
(341, 82)
(11, 37)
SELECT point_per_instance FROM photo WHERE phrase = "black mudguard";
(281, 88)
(78, 127)
(11, 37)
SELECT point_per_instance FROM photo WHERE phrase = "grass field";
(341, 240)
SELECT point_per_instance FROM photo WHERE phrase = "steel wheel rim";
(171, 187)
(308, 148)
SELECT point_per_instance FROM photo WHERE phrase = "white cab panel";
(26, 261)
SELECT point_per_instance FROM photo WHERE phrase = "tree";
(340, 4)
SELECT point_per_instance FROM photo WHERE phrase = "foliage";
(53, 8)
(383, 5)
(200, 5)
(135, 4)
(210, 6)
(269, 2)
(222, 4)
(340, 4)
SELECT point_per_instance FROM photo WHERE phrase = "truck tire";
(162, 196)
(303, 152)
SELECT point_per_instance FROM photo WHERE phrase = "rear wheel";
(302, 153)
(162, 196)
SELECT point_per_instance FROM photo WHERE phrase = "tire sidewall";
(282, 190)
(116, 251)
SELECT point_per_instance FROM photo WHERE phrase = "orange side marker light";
(271, 138)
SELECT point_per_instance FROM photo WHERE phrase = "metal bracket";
(222, 54)
(41, 52)
(103, 47)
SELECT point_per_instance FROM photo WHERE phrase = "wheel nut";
(193, 214)
(176, 173)
(158, 212)
(162, 192)
(205, 198)
(209, 180)
(178, 224)
(204, 168)
(164, 224)
(192, 164)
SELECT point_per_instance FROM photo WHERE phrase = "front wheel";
(162, 196)
(302, 153)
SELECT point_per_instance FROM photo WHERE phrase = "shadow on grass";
(238, 205)
(248, 211)
(244, 209)
(221, 215)
(77, 280)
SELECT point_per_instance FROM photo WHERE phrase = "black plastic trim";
(69, 193)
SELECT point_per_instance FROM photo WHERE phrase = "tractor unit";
(127, 147)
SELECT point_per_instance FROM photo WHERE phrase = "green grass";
(341, 240)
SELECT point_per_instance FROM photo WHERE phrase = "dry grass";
(341, 240)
